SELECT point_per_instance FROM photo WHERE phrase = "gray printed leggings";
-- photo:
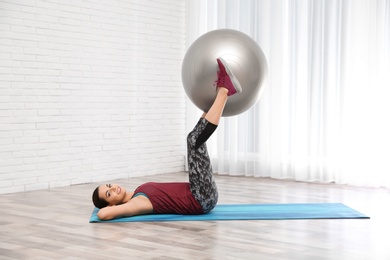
(202, 183)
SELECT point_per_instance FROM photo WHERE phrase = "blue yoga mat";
(252, 212)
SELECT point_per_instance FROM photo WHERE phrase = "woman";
(200, 194)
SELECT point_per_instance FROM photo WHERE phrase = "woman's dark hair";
(97, 201)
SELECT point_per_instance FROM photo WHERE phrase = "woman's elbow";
(102, 215)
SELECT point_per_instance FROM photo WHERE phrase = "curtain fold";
(323, 115)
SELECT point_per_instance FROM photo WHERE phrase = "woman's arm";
(139, 205)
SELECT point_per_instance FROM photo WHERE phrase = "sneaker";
(226, 78)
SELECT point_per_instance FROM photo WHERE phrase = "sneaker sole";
(236, 83)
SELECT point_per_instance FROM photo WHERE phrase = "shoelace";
(221, 79)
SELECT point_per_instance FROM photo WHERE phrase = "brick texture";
(89, 91)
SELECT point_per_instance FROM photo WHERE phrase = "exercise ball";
(244, 57)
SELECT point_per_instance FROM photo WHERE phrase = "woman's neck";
(128, 196)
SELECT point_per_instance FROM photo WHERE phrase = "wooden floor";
(53, 224)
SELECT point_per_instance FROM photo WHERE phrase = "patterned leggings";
(202, 183)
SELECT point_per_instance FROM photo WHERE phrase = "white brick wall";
(89, 91)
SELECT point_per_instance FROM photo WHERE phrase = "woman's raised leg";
(201, 178)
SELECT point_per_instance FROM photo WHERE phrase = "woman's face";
(112, 193)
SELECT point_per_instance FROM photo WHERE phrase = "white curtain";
(325, 112)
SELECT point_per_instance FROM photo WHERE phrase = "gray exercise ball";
(243, 55)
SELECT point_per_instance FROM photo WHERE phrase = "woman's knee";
(191, 139)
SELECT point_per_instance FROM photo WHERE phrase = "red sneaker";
(226, 78)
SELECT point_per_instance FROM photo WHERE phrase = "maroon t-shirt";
(170, 198)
